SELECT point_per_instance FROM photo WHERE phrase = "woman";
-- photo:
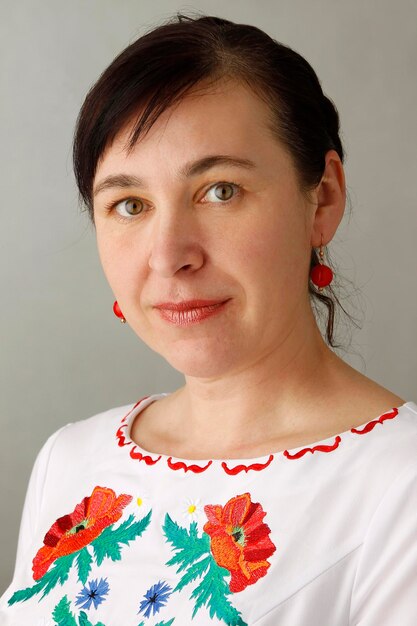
(278, 485)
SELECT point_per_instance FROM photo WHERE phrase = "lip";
(180, 313)
(187, 305)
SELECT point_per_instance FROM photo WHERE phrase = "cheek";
(113, 255)
(270, 256)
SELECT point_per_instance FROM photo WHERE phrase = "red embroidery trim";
(197, 469)
(122, 441)
(245, 468)
(133, 408)
(138, 456)
(371, 425)
(320, 448)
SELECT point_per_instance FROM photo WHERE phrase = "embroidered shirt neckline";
(235, 466)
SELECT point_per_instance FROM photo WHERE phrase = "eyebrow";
(190, 169)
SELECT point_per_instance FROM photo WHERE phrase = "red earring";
(321, 275)
(118, 313)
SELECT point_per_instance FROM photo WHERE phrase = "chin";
(201, 361)
(194, 370)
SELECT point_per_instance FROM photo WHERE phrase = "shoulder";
(382, 459)
(74, 453)
(391, 442)
(96, 424)
(397, 432)
(85, 438)
(385, 584)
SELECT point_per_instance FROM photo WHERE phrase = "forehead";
(225, 118)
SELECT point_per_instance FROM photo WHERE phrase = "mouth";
(187, 305)
(190, 312)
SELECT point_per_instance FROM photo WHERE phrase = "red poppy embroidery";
(72, 532)
(239, 539)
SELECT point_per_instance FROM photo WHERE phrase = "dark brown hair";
(161, 66)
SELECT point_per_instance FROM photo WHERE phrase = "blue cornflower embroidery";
(155, 598)
(95, 594)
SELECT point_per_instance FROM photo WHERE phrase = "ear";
(330, 200)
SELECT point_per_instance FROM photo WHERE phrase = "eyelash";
(112, 205)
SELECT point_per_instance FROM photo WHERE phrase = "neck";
(282, 394)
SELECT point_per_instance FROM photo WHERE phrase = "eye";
(129, 207)
(223, 191)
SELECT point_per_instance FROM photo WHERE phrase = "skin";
(259, 376)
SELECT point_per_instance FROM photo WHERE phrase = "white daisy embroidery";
(142, 500)
(192, 510)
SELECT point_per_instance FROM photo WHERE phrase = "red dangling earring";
(321, 275)
(118, 313)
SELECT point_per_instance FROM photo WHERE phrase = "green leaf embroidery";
(84, 561)
(108, 543)
(57, 574)
(213, 591)
(193, 554)
(189, 546)
(62, 614)
(194, 571)
(83, 619)
(159, 623)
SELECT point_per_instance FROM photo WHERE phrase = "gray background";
(64, 356)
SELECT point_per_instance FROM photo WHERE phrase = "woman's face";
(227, 232)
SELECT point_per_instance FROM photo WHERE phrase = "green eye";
(129, 207)
(224, 191)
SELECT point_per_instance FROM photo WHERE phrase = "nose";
(175, 244)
